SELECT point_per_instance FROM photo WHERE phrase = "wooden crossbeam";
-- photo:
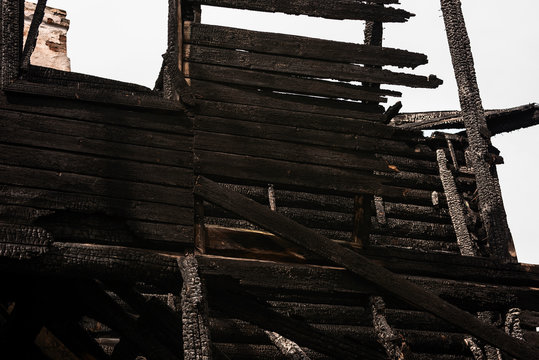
(336, 9)
(361, 266)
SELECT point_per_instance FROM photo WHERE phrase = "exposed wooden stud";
(196, 333)
(393, 343)
(380, 210)
(272, 198)
(362, 220)
(452, 152)
(201, 237)
(456, 210)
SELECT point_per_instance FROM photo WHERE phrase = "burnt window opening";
(115, 59)
(351, 31)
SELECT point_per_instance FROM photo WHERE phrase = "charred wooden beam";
(340, 9)
(360, 266)
(278, 82)
(11, 21)
(195, 323)
(298, 46)
(393, 342)
(456, 210)
(304, 67)
(490, 199)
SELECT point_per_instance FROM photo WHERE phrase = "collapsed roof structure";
(250, 206)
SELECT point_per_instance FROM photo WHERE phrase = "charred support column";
(196, 331)
(393, 343)
(491, 207)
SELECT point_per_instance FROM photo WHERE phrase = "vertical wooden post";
(373, 36)
(179, 39)
(200, 228)
(11, 25)
(362, 220)
(491, 207)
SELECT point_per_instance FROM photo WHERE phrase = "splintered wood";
(196, 333)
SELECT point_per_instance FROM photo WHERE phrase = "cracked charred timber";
(491, 207)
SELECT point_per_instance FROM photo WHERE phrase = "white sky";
(124, 40)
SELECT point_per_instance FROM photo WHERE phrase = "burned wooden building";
(260, 203)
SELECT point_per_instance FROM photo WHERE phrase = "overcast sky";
(124, 40)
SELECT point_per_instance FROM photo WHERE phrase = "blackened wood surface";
(12, 13)
(248, 96)
(305, 67)
(298, 46)
(340, 9)
(280, 82)
(97, 173)
(491, 208)
(360, 266)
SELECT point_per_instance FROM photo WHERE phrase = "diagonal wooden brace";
(382, 278)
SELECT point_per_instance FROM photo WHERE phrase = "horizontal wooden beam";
(207, 90)
(304, 67)
(382, 278)
(298, 46)
(337, 9)
(280, 82)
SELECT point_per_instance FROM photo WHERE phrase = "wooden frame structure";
(107, 190)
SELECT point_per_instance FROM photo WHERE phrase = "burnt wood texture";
(383, 279)
(97, 201)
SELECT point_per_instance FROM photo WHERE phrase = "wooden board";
(250, 96)
(298, 46)
(304, 67)
(277, 82)
(339, 9)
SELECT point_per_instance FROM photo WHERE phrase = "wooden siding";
(90, 172)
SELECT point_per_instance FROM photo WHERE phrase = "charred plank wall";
(90, 172)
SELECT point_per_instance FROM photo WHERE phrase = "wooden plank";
(93, 225)
(304, 67)
(81, 208)
(94, 130)
(94, 186)
(137, 100)
(298, 46)
(362, 267)
(14, 135)
(294, 176)
(167, 122)
(12, 13)
(243, 95)
(415, 229)
(296, 134)
(61, 162)
(289, 117)
(279, 82)
(289, 174)
(338, 9)
(279, 150)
